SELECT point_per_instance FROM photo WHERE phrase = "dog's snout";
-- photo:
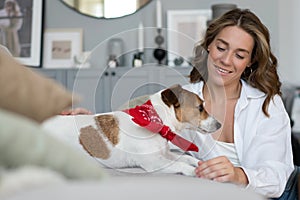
(218, 125)
(209, 125)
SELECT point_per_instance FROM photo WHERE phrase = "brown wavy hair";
(262, 74)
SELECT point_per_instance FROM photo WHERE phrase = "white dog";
(138, 137)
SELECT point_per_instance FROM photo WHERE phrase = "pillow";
(23, 142)
(26, 92)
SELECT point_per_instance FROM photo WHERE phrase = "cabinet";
(57, 74)
(104, 90)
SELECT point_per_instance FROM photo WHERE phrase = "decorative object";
(178, 61)
(112, 61)
(115, 52)
(141, 37)
(138, 57)
(220, 9)
(61, 46)
(29, 34)
(159, 53)
(158, 14)
(185, 29)
(82, 60)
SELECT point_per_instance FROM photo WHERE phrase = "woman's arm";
(264, 147)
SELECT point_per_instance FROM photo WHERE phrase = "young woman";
(235, 73)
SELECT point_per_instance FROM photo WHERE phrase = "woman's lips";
(223, 71)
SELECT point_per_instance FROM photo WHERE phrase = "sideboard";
(104, 90)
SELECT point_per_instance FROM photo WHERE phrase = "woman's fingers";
(214, 168)
(76, 111)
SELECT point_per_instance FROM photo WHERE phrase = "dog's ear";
(171, 96)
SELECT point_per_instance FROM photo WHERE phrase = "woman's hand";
(76, 111)
(222, 170)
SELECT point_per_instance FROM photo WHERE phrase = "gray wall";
(289, 41)
(57, 15)
(98, 31)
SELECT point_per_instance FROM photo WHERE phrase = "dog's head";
(189, 109)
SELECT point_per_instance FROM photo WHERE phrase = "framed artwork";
(21, 32)
(185, 29)
(61, 46)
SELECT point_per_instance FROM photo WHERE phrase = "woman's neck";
(217, 93)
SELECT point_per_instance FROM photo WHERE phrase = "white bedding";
(137, 188)
(122, 184)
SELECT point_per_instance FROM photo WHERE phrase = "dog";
(138, 137)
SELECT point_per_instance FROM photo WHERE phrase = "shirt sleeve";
(268, 160)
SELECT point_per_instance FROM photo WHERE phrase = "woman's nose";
(226, 58)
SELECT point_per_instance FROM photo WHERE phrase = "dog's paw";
(189, 160)
(189, 171)
(192, 174)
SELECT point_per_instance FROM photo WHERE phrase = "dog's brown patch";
(186, 104)
(109, 126)
(171, 96)
(93, 142)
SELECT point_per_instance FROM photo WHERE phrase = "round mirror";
(106, 8)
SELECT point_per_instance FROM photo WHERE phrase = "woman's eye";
(220, 49)
(239, 56)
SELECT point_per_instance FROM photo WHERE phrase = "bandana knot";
(146, 116)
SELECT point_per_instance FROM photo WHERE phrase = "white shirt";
(263, 144)
(228, 150)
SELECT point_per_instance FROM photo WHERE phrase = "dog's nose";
(210, 125)
(218, 125)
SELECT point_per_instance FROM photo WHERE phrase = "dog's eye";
(201, 108)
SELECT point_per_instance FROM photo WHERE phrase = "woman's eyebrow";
(227, 44)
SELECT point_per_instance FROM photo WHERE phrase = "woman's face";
(229, 55)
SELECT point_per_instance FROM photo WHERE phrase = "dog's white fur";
(138, 147)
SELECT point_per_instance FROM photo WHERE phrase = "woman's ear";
(208, 48)
(249, 64)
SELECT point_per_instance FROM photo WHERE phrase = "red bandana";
(146, 116)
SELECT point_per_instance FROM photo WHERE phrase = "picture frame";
(24, 40)
(185, 29)
(61, 46)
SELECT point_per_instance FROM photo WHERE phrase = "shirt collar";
(250, 92)
(247, 92)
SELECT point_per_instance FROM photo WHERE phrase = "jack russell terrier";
(138, 137)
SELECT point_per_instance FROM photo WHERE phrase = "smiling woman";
(105, 8)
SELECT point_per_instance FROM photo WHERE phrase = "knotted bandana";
(146, 116)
